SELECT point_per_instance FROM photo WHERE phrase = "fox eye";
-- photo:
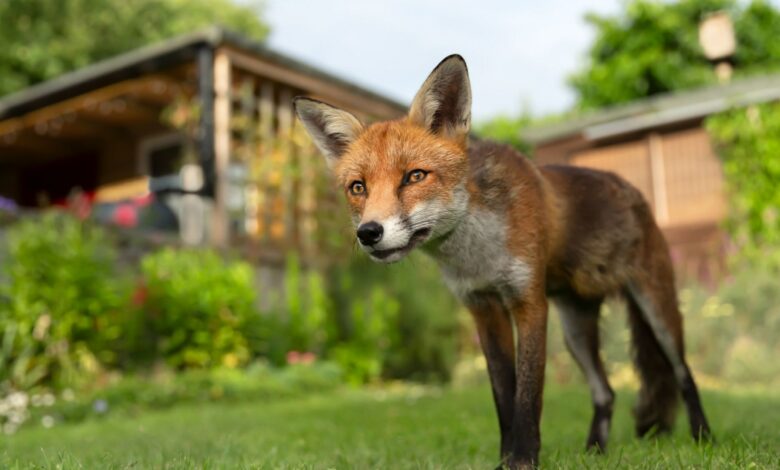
(357, 188)
(415, 176)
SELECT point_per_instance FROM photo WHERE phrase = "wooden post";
(658, 175)
(249, 143)
(285, 135)
(307, 224)
(206, 131)
(222, 106)
(266, 125)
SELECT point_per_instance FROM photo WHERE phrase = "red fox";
(507, 235)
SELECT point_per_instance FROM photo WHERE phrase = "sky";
(519, 52)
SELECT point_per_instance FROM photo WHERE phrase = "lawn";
(411, 428)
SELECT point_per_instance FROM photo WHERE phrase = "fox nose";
(370, 233)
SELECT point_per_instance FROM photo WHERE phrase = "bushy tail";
(658, 396)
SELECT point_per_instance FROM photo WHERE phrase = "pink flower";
(126, 216)
(296, 357)
(293, 357)
(308, 358)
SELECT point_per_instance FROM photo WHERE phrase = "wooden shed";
(661, 146)
(202, 124)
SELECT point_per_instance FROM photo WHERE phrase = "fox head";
(405, 180)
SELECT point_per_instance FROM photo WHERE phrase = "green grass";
(372, 429)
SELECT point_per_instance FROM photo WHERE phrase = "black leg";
(579, 318)
(497, 341)
(531, 323)
(700, 428)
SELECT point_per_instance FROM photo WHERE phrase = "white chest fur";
(475, 257)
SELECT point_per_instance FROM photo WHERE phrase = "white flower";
(19, 417)
(18, 400)
(36, 400)
(47, 399)
(68, 395)
(47, 421)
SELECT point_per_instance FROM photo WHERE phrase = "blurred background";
(168, 234)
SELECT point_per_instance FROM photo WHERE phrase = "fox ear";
(443, 103)
(331, 129)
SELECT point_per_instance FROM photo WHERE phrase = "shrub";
(305, 311)
(63, 297)
(369, 335)
(751, 317)
(748, 140)
(136, 393)
(424, 335)
(195, 306)
(297, 321)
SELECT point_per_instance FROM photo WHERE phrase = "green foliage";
(137, 393)
(652, 47)
(306, 308)
(298, 320)
(195, 306)
(43, 38)
(67, 309)
(507, 129)
(63, 297)
(373, 320)
(755, 302)
(424, 335)
(733, 333)
(748, 141)
(19, 369)
(370, 334)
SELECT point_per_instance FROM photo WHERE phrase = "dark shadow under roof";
(156, 57)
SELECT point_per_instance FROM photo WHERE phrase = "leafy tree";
(653, 47)
(748, 140)
(506, 129)
(45, 38)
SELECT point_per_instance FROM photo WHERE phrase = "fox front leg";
(494, 328)
(530, 317)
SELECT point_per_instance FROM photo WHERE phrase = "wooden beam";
(285, 117)
(222, 109)
(122, 110)
(205, 74)
(267, 107)
(244, 96)
(658, 176)
(312, 85)
(161, 91)
(266, 110)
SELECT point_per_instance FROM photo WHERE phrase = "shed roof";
(155, 57)
(660, 110)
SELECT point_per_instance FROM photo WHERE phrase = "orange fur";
(384, 153)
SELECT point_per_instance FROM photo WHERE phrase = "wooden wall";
(678, 172)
